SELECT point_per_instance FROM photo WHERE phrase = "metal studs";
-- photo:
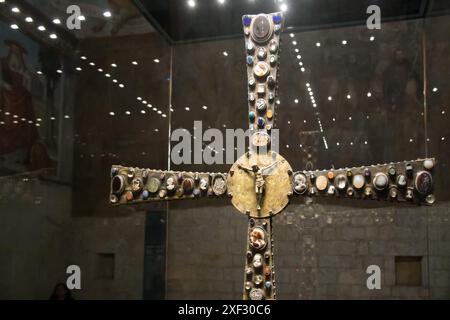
(380, 181)
(423, 182)
(180, 192)
(145, 174)
(249, 272)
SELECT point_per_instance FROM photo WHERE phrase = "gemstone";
(162, 193)
(269, 114)
(251, 83)
(257, 261)
(272, 60)
(256, 294)
(261, 89)
(261, 69)
(367, 173)
(261, 53)
(251, 97)
(188, 185)
(430, 199)
(381, 181)
(249, 254)
(423, 182)
(197, 192)
(258, 280)
(257, 238)
(145, 194)
(251, 116)
(129, 196)
(401, 181)
(349, 173)
(392, 171)
(250, 48)
(341, 182)
(113, 198)
(180, 192)
(271, 97)
(331, 190)
(268, 285)
(261, 106)
(350, 192)
(203, 184)
(271, 81)
(247, 21)
(330, 175)
(136, 185)
(219, 185)
(358, 181)
(171, 184)
(393, 192)
(368, 191)
(267, 271)
(114, 171)
(273, 46)
(409, 167)
(428, 164)
(277, 19)
(131, 173)
(250, 60)
(321, 183)
(300, 183)
(261, 122)
(118, 185)
(153, 185)
(261, 28)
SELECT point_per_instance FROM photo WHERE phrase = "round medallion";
(380, 181)
(359, 181)
(257, 238)
(423, 182)
(272, 178)
(153, 185)
(321, 183)
(219, 185)
(340, 182)
(261, 69)
(262, 28)
(256, 294)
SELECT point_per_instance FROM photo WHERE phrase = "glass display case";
(90, 85)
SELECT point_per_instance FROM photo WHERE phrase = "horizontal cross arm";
(410, 181)
(134, 185)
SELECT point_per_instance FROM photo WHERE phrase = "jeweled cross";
(261, 183)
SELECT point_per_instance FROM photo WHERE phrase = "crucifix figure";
(261, 183)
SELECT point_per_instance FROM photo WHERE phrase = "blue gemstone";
(145, 194)
(277, 19)
(114, 171)
(268, 284)
(247, 21)
(251, 116)
(249, 60)
(261, 122)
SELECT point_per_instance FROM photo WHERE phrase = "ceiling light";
(15, 9)
(369, 94)
(225, 53)
(29, 19)
(435, 89)
(134, 63)
(283, 7)
(187, 109)
(294, 43)
(82, 18)
(41, 28)
(205, 108)
(349, 96)
(330, 98)
(291, 35)
(344, 42)
(112, 113)
(127, 113)
(53, 36)
(318, 44)
(156, 61)
(56, 21)
(14, 26)
(83, 58)
(78, 69)
(191, 3)
(296, 101)
(107, 14)
(143, 112)
(121, 85)
(113, 65)
(372, 38)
